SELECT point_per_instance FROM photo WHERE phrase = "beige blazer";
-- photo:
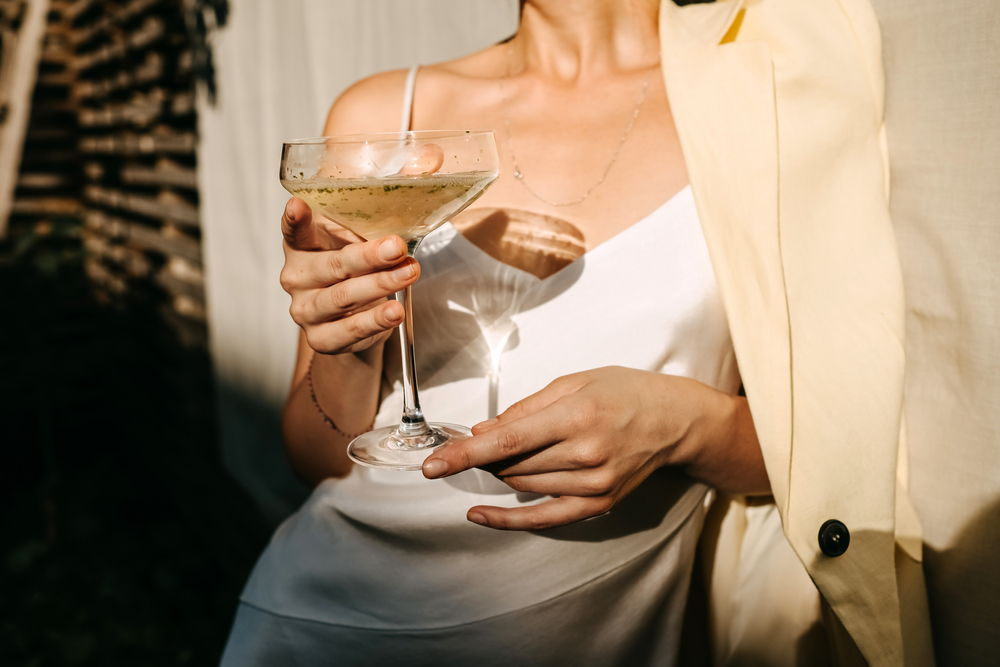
(779, 108)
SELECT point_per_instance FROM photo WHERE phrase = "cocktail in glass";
(408, 184)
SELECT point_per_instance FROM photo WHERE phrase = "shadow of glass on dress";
(474, 283)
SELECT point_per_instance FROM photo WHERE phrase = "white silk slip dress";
(382, 567)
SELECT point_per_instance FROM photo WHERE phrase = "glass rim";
(385, 137)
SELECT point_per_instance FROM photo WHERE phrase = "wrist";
(345, 389)
(710, 420)
(372, 355)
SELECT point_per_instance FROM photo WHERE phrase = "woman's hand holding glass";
(591, 438)
(340, 283)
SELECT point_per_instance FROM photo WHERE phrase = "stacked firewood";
(133, 93)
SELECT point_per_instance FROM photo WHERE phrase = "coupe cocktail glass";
(403, 183)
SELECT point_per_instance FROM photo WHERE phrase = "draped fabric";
(942, 68)
(279, 66)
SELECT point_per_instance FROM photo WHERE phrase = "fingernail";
(389, 250)
(476, 517)
(404, 272)
(392, 314)
(435, 468)
(486, 425)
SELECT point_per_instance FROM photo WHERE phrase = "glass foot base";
(384, 448)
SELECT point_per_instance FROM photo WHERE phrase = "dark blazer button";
(834, 538)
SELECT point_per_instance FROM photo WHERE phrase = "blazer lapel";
(723, 102)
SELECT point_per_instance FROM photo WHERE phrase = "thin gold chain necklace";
(519, 174)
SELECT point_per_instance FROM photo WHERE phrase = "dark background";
(124, 542)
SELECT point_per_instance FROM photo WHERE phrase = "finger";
(297, 225)
(317, 270)
(589, 483)
(538, 401)
(355, 332)
(359, 259)
(483, 427)
(500, 443)
(551, 513)
(354, 293)
(574, 450)
(569, 455)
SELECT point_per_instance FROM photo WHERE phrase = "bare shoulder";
(459, 88)
(373, 104)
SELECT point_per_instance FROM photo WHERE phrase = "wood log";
(44, 181)
(134, 8)
(56, 54)
(134, 263)
(102, 54)
(46, 206)
(87, 33)
(103, 277)
(168, 240)
(108, 225)
(83, 90)
(180, 244)
(169, 176)
(141, 112)
(189, 272)
(185, 62)
(181, 288)
(152, 29)
(93, 170)
(151, 69)
(189, 308)
(127, 144)
(105, 23)
(167, 206)
(182, 104)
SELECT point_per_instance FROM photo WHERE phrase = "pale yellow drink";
(409, 206)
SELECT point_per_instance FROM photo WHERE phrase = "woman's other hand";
(591, 438)
(339, 283)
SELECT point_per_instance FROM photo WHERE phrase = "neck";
(577, 39)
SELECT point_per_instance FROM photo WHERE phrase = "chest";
(612, 143)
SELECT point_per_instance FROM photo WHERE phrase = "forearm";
(721, 447)
(346, 387)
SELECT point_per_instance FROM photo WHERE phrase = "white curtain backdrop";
(279, 66)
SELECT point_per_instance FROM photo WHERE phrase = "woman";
(339, 575)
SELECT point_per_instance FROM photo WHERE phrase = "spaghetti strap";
(411, 82)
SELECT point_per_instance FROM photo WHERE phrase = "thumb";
(297, 225)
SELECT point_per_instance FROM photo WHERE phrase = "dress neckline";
(467, 247)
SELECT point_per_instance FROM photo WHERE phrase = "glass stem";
(494, 380)
(412, 422)
(494, 395)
